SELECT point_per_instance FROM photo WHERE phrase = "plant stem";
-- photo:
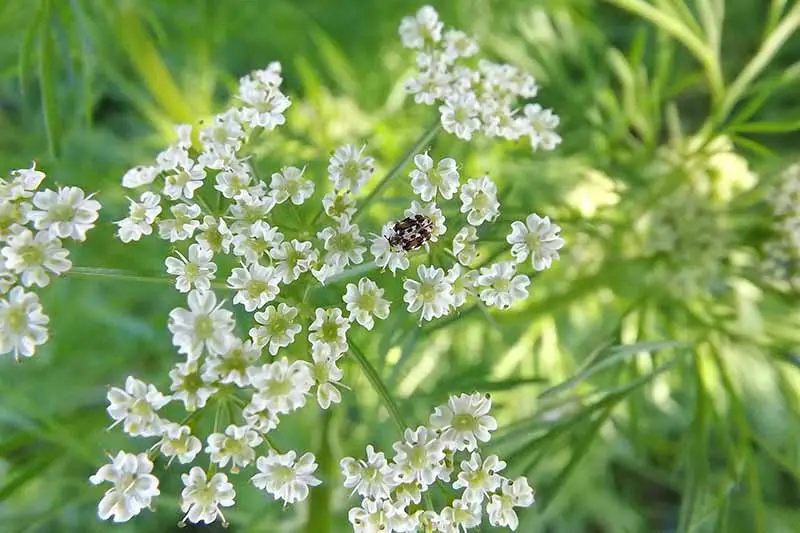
(424, 139)
(124, 275)
(375, 380)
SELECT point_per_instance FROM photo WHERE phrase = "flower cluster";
(33, 223)
(782, 263)
(474, 95)
(447, 450)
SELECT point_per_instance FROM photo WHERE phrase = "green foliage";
(651, 382)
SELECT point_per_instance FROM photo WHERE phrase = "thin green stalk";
(424, 139)
(377, 383)
(124, 275)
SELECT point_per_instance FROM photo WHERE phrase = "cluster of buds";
(33, 223)
(782, 263)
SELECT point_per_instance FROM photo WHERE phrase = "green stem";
(424, 139)
(375, 380)
(320, 502)
(125, 275)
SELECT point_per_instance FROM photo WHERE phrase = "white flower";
(259, 418)
(432, 294)
(328, 332)
(184, 180)
(499, 286)
(373, 478)
(24, 182)
(281, 387)
(419, 456)
(284, 477)
(292, 259)
(139, 176)
(231, 366)
(427, 180)
(31, 257)
(458, 44)
(459, 115)
(433, 213)
(263, 101)
(214, 234)
(538, 238)
(136, 407)
(364, 301)
(501, 507)
(183, 225)
(386, 255)
(141, 216)
(380, 516)
(248, 209)
(67, 213)
(339, 206)
(277, 329)
(289, 184)
(463, 282)
(542, 122)
(172, 157)
(23, 324)
(189, 386)
(134, 486)
(326, 375)
(178, 442)
(460, 516)
(221, 139)
(255, 241)
(479, 478)
(234, 446)
(479, 200)
(236, 178)
(464, 246)
(196, 272)
(204, 324)
(255, 286)
(343, 244)
(202, 498)
(464, 421)
(349, 170)
(421, 29)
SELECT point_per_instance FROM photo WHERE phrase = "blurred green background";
(652, 381)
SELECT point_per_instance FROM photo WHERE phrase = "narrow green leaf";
(377, 384)
(26, 52)
(47, 81)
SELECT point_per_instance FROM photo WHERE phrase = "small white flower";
(292, 259)
(183, 225)
(421, 29)
(364, 301)
(464, 246)
(259, 418)
(255, 242)
(141, 216)
(204, 324)
(189, 386)
(172, 157)
(327, 376)
(178, 442)
(463, 282)
(428, 181)
(134, 486)
(233, 180)
(419, 456)
(24, 182)
(136, 407)
(23, 324)
(542, 122)
(500, 287)
(373, 478)
(460, 516)
(432, 294)
(264, 103)
(32, 257)
(479, 478)
(342, 244)
(140, 176)
(459, 115)
(231, 366)
(328, 332)
(433, 213)
(538, 238)
(501, 507)
(464, 421)
(68, 213)
(289, 184)
(458, 44)
(281, 387)
(386, 255)
(479, 200)
(339, 206)
(202, 497)
(183, 181)
(221, 139)
(378, 517)
(277, 329)
(196, 272)
(248, 209)
(234, 446)
(349, 170)
(286, 477)
(255, 286)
